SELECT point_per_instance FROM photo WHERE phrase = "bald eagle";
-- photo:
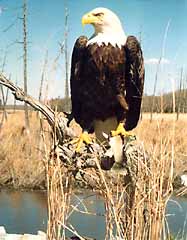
(107, 78)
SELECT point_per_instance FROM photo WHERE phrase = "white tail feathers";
(104, 127)
(102, 131)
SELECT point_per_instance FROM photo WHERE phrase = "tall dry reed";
(135, 207)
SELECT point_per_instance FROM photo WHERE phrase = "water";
(26, 212)
(23, 212)
(177, 216)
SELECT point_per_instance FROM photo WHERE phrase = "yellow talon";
(121, 131)
(84, 138)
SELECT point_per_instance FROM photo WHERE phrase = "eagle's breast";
(104, 78)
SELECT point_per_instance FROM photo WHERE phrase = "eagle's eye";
(98, 14)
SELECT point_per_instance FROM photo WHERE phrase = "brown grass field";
(158, 135)
(22, 156)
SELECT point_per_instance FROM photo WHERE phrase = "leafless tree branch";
(20, 95)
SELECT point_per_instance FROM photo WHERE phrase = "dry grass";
(21, 164)
(21, 156)
(165, 136)
(59, 196)
(151, 133)
(135, 210)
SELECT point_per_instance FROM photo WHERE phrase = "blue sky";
(161, 25)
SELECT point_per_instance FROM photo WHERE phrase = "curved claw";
(121, 131)
(83, 138)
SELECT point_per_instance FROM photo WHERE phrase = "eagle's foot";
(121, 131)
(83, 138)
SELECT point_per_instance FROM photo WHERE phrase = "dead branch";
(27, 123)
(180, 93)
(43, 76)
(58, 122)
(66, 54)
(4, 98)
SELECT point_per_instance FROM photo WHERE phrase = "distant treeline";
(12, 107)
(166, 103)
(61, 104)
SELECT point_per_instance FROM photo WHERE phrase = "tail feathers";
(116, 144)
(102, 128)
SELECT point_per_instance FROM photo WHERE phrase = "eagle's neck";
(108, 35)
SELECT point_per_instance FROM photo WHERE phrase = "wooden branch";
(57, 122)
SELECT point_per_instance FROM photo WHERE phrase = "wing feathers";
(134, 81)
(76, 71)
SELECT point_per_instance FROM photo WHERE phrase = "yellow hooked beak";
(89, 19)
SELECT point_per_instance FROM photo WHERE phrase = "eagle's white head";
(108, 28)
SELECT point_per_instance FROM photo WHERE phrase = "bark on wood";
(58, 123)
(25, 62)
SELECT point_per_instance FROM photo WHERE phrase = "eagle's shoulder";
(81, 42)
(78, 55)
(132, 46)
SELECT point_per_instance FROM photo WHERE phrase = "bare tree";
(4, 116)
(43, 76)
(66, 60)
(184, 110)
(15, 98)
(179, 94)
(4, 97)
(25, 61)
(161, 102)
(158, 66)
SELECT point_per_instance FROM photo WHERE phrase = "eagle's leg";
(121, 131)
(83, 138)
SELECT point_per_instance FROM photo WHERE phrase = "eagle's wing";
(75, 79)
(134, 81)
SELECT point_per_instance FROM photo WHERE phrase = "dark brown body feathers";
(106, 81)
